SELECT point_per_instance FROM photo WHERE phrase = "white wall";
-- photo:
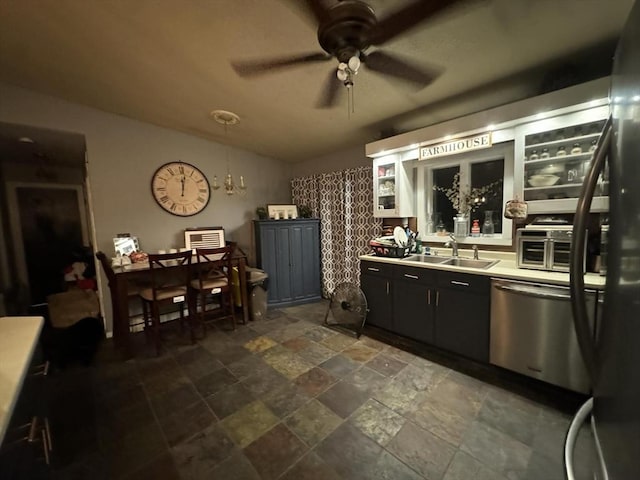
(123, 155)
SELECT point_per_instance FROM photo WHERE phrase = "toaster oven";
(545, 248)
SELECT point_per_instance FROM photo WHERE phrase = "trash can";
(257, 282)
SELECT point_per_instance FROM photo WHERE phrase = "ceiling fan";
(346, 30)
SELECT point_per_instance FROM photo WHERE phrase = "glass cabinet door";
(385, 185)
(556, 162)
(392, 187)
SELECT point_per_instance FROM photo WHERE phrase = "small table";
(124, 277)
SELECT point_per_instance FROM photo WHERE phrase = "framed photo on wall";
(278, 212)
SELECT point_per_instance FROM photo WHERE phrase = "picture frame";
(282, 212)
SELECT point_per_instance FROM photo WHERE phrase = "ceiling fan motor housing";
(345, 33)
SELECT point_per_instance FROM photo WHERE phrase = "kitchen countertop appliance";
(613, 361)
(545, 247)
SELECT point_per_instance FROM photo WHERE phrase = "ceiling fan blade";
(318, 9)
(251, 68)
(330, 90)
(392, 65)
(406, 18)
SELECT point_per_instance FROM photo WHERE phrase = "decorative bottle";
(475, 228)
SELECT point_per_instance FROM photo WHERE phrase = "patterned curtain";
(343, 201)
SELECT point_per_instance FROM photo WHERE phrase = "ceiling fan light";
(342, 75)
(342, 66)
(354, 63)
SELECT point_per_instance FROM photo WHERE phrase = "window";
(477, 182)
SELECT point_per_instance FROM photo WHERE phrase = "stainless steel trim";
(572, 436)
(577, 259)
(533, 292)
(414, 277)
(604, 471)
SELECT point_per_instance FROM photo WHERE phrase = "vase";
(487, 226)
(461, 225)
(441, 229)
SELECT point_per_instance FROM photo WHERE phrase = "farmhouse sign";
(451, 147)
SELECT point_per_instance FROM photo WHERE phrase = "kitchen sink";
(469, 262)
(427, 259)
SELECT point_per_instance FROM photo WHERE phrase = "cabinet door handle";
(42, 369)
(415, 277)
(463, 284)
(437, 297)
(429, 296)
(387, 287)
(46, 448)
(371, 269)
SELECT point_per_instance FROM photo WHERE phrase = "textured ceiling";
(167, 62)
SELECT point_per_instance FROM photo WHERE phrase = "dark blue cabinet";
(289, 251)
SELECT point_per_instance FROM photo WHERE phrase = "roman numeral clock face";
(180, 188)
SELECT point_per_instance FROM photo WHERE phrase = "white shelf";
(553, 187)
(561, 158)
(563, 141)
(387, 177)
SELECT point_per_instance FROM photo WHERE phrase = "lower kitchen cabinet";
(375, 282)
(462, 315)
(413, 314)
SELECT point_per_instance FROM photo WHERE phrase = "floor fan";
(348, 309)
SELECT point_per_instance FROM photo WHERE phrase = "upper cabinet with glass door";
(392, 188)
(556, 156)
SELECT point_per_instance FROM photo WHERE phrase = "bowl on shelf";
(543, 180)
(550, 169)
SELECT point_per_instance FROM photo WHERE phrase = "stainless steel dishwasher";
(532, 332)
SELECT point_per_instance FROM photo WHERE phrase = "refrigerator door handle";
(576, 261)
(572, 436)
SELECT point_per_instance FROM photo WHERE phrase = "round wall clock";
(180, 189)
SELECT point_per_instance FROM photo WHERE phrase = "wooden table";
(122, 279)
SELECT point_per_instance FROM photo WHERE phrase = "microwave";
(545, 248)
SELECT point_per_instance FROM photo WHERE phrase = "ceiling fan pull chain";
(353, 99)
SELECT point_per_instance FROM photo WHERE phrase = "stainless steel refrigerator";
(613, 357)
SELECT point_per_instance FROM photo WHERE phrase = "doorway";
(48, 225)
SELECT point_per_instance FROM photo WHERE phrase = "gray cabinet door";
(462, 315)
(413, 292)
(289, 251)
(305, 260)
(412, 312)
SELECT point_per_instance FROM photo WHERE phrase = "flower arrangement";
(465, 200)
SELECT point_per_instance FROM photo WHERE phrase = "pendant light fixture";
(227, 119)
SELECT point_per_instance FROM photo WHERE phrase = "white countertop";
(18, 339)
(505, 268)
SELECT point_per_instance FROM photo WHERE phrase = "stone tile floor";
(286, 398)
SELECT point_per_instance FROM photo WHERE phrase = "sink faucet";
(453, 243)
(475, 252)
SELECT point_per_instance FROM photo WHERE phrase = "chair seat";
(163, 294)
(210, 283)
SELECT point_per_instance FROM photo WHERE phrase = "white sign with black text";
(451, 147)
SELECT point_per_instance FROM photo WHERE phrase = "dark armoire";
(289, 251)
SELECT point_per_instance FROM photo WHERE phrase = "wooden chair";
(212, 277)
(169, 286)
